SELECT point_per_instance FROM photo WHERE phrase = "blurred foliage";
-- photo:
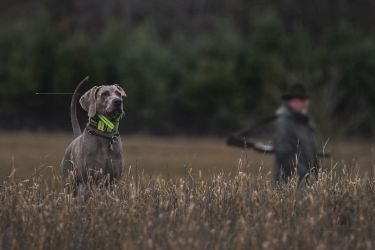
(188, 66)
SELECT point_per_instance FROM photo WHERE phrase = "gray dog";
(97, 152)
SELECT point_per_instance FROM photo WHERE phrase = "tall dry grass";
(243, 211)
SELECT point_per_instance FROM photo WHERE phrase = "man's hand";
(262, 147)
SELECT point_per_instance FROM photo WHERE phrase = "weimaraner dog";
(95, 154)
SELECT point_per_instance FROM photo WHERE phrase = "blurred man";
(294, 139)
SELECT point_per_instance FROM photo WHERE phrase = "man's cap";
(295, 91)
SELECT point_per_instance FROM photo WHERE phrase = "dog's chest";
(105, 154)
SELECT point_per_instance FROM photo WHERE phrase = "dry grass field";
(163, 202)
(167, 156)
(41, 153)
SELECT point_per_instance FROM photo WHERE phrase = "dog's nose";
(117, 102)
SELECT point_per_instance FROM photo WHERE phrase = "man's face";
(299, 105)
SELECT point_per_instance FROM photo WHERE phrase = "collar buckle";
(114, 138)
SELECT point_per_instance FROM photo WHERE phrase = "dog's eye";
(105, 93)
(118, 93)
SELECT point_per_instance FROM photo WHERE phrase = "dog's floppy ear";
(88, 101)
(123, 94)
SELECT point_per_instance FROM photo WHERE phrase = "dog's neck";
(103, 124)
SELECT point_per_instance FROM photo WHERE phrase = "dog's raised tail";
(73, 109)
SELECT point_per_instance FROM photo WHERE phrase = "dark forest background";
(189, 66)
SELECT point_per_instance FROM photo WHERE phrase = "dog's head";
(105, 99)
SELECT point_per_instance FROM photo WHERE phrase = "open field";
(41, 153)
(154, 155)
(162, 202)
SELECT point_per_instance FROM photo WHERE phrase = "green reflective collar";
(103, 124)
(106, 122)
